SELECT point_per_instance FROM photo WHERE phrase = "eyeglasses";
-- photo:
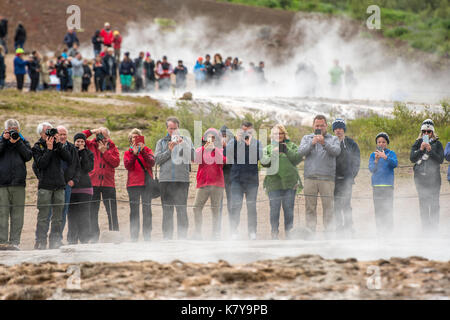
(427, 131)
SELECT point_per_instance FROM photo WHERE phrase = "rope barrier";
(193, 206)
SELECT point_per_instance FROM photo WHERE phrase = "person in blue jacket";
(200, 73)
(19, 68)
(382, 163)
(447, 157)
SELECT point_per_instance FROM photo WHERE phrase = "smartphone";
(174, 138)
(282, 148)
(139, 139)
(426, 138)
(380, 149)
(317, 132)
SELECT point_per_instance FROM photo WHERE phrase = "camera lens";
(14, 134)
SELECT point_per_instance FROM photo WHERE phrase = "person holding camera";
(106, 159)
(15, 151)
(210, 180)
(244, 152)
(427, 154)
(320, 150)
(49, 157)
(173, 155)
(138, 161)
(347, 168)
(282, 180)
(382, 163)
(81, 194)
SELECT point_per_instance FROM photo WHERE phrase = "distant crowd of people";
(73, 178)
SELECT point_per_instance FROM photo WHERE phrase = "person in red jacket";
(106, 159)
(139, 160)
(210, 181)
(107, 34)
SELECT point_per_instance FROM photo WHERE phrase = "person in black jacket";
(244, 152)
(87, 75)
(4, 33)
(149, 70)
(97, 42)
(126, 72)
(180, 73)
(15, 151)
(82, 191)
(49, 157)
(427, 154)
(20, 37)
(209, 69)
(98, 74)
(109, 70)
(62, 72)
(34, 70)
(347, 168)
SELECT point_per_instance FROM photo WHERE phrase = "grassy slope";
(427, 29)
(149, 115)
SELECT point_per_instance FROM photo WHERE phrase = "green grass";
(423, 24)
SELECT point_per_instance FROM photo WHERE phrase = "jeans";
(136, 194)
(383, 201)
(18, 44)
(238, 191)
(174, 194)
(34, 82)
(11, 216)
(78, 216)
(227, 194)
(286, 198)
(342, 204)
(108, 194)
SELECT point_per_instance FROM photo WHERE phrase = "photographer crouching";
(49, 157)
(15, 151)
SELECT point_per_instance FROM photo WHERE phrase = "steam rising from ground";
(317, 42)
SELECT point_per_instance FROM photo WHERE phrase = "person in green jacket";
(282, 180)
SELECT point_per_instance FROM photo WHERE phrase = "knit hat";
(127, 54)
(384, 135)
(427, 125)
(79, 136)
(339, 123)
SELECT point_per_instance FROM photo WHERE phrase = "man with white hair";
(106, 159)
(49, 158)
(15, 151)
(107, 34)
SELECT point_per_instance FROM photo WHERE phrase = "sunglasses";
(427, 131)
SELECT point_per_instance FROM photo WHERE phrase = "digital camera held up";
(51, 132)
(14, 134)
(99, 137)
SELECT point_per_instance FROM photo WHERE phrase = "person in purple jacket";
(382, 163)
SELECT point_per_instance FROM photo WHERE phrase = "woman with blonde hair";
(282, 180)
(427, 154)
(139, 160)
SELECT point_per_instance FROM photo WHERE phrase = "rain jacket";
(211, 162)
(136, 175)
(383, 171)
(286, 177)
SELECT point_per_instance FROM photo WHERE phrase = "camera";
(175, 138)
(51, 132)
(317, 132)
(99, 137)
(380, 149)
(14, 134)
